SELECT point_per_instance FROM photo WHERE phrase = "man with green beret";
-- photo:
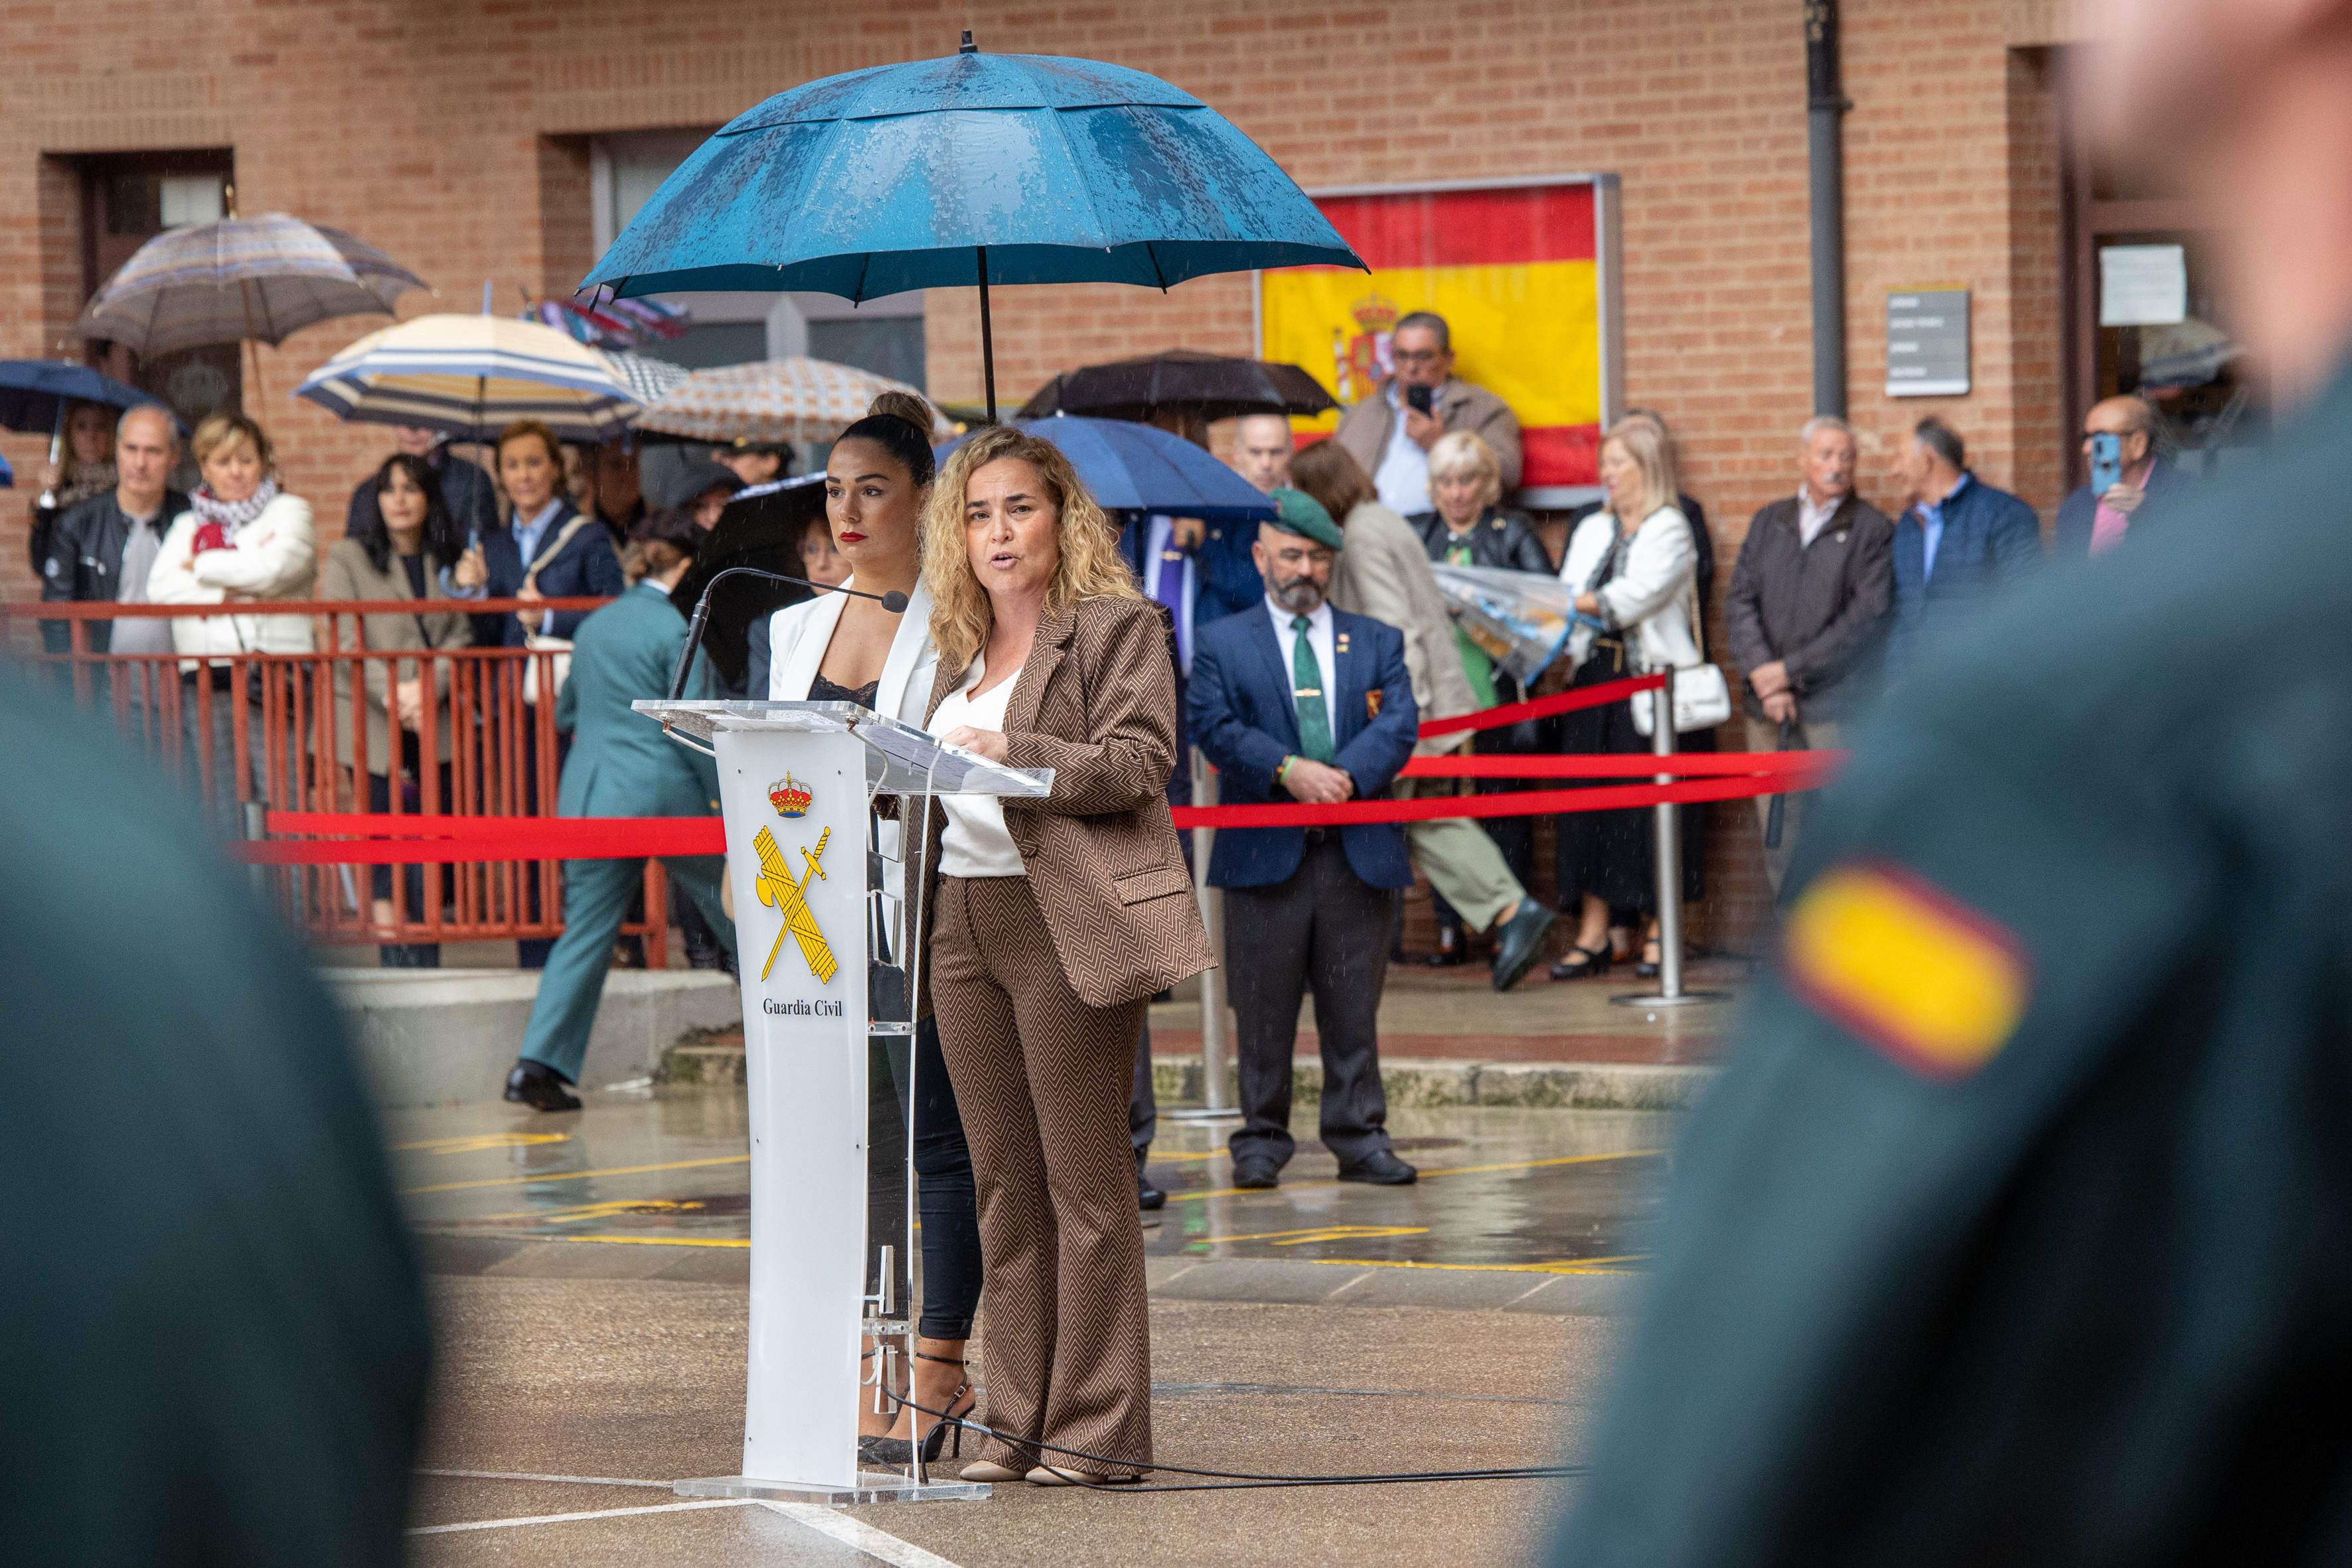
(2018, 1229)
(1295, 702)
(213, 1341)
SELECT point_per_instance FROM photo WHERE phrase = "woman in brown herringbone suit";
(1055, 921)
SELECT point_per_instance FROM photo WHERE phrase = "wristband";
(1282, 773)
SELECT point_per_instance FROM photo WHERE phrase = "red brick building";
(499, 141)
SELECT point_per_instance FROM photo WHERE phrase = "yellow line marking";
(594, 1211)
(1447, 1171)
(1320, 1233)
(648, 1240)
(574, 1176)
(475, 1143)
(1562, 1265)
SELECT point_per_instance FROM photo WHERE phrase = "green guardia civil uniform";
(212, 1338)
(621, 765)
(2019, 1226)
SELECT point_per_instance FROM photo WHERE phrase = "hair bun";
(905, 405)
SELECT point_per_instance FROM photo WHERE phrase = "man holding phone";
(1390, 432)
(2119, 438)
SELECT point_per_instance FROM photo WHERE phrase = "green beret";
(1302, 514)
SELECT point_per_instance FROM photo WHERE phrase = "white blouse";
(976, 842)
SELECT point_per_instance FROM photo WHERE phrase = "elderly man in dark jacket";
(1807, 610)
(102, 548)
(1961, 543)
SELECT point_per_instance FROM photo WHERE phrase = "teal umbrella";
(970, 169)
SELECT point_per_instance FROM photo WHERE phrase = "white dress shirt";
(976, 842)
(1318, 641)
(1403, 477)
(1811, 516)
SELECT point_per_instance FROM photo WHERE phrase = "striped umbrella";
(794, 399)
(472, 375)
(262, 278)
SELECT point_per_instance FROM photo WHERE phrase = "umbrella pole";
(245, 296)
(987, 338)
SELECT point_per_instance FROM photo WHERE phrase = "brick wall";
(454, 136)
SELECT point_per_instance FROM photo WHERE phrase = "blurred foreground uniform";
(212, 1336)
(2018, 1229)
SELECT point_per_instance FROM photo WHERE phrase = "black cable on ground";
(1234, 1480)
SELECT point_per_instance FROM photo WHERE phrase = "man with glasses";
(1390, 433)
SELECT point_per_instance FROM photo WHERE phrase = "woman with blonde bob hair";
(1632, 564)
(1054, 921)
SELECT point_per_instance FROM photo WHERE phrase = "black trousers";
(945, 1195)
(1324, 930)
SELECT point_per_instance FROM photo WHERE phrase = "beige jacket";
(1096, 703)
(349, 574)
(1464, 406)
(1384, 572)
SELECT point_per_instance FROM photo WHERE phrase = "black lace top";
(824, 690)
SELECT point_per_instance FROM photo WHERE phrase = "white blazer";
(1650, 596)
(274, 558)
(799, 634)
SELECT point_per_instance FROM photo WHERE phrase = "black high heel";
(1596, 962)
(901, 1450)
(1647, 969)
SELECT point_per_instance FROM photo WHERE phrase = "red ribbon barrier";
(1534, 803)
(1599, 696)
(421, 839)
(1627, 766)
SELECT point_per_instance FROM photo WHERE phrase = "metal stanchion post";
(254, 817)
(1669, 857)
(1216, 1104)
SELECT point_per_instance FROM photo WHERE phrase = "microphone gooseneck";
(894, 601)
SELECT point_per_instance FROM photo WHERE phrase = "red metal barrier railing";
(478, 750)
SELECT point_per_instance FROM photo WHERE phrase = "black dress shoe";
(1519, 943)
(1256, 1171)
(1147, 1196)
(541, 1086)
(1383, 1169)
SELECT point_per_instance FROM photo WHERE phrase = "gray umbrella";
(262, 278)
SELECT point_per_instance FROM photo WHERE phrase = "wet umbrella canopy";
(1135, 468)
(970, 169)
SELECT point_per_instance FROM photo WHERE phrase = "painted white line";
(856, 1533)
(520, 1476)
(597, 1513)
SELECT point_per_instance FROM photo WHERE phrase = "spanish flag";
(1513, 273)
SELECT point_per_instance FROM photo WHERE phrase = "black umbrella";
(761, 527)
(1213, 386)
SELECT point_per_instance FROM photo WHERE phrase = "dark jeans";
(1326, 930)
(944, 1192)
(414, 954)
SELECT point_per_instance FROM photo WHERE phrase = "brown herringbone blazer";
(1096, 703)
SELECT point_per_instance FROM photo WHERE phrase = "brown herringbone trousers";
(1043, 1079)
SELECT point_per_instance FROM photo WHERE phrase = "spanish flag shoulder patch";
(1908, 968)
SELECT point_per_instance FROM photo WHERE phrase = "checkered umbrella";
(792, 399)
(647, 378)
(262, 278)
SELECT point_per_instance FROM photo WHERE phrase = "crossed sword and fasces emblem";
(780, 891)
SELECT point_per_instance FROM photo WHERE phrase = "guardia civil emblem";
(788, 896)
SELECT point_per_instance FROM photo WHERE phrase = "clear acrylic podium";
(830, 954)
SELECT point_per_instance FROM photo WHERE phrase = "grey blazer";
(349, 574)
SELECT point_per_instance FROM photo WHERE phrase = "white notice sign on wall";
(2143, 285)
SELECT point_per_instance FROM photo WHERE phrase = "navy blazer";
(1991, 541)
(2079, 512)
(1229, 581)
(1242, 719)
(587, 569)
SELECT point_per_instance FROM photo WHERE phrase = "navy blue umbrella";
(970, 169)
(1140, 467)
(34, 392)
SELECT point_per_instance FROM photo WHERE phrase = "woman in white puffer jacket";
(241, 542)
(241, 539)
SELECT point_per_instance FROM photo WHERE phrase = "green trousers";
(1461, 861)
(596, 895)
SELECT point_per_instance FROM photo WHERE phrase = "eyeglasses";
(1417, 356)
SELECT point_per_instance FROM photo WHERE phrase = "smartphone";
(1421, 397)
(2106, 462)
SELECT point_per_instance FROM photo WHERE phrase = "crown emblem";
(790, 796)
(1374, 313)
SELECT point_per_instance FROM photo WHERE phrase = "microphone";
(894, 601)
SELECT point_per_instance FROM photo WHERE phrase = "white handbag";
(559, 646)
(1702, 696)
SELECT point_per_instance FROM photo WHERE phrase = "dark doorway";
(127, 200)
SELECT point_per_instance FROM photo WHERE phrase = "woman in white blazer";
(1633, 566)
(838, 649)
(241, 540)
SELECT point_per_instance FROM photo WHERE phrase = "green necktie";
(1306, 688)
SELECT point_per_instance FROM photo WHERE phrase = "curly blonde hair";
(1090, 565)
